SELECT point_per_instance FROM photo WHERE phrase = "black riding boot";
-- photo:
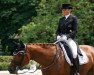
(76, 66)
(78, 49)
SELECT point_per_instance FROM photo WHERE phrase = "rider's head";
(66, 8)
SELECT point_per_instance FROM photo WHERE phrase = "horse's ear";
(22, 44)
(11, 41)
(14, 42)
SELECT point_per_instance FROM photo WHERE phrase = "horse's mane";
(45, 45)
(52, 44)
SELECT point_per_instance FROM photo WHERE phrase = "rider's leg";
(73, 48)
(78, 49)
(76, 65)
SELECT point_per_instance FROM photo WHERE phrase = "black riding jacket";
(68, 26)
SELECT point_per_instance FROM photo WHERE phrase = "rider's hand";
(58, 37)
(68, 36)
(63, 37)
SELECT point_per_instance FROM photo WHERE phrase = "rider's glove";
(58, 37)
(68, 36)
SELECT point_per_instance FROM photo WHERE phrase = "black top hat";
(67, 6)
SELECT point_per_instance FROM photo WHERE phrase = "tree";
(48, 16)
(37, 20)
(43, 26)
(13, 14)
(84, 11)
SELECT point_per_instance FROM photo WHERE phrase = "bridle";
(22, 53)
(55, 58)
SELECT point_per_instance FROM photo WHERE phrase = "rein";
(56, 56)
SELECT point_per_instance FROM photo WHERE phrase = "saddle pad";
(82, 59)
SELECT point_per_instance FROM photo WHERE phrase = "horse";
(50, 57)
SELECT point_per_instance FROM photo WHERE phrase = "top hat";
(67, 6)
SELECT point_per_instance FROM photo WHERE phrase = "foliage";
(45, 23)
(85, 13)
(37, 20)
(13, 14)
(4, 62)
(4, 66)
(43, 26)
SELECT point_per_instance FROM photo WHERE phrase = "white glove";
(58, 37)
(63, 37)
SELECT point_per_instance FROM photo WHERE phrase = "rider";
(67, 30)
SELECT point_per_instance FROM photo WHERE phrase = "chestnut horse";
(51, 59)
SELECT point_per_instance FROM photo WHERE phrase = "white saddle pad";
(82, 59)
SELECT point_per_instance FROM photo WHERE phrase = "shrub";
(4, 62)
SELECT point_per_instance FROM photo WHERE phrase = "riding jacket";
(67, 26)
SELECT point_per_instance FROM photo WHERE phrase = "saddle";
(67, 49)
(83, 59)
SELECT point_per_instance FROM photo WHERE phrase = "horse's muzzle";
(12, 70)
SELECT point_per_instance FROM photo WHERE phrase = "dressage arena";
(38, 72)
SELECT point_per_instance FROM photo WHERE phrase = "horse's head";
(19, 56)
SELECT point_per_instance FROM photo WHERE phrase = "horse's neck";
(42, 53)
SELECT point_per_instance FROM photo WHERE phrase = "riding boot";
(78, 49)
(76, 65)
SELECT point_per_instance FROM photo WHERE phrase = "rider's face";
(66, 11)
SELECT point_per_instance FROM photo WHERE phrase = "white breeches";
(71, 44)
(73, 47)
